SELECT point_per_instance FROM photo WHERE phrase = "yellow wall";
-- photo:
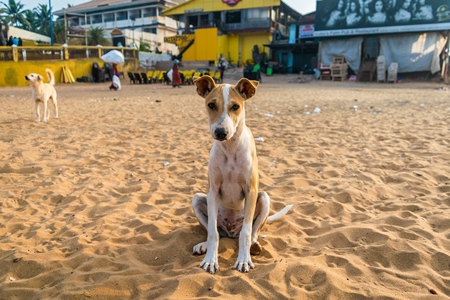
(248, 41)
(13, 73)
(209, 46)
(217, 5)
(204, 47)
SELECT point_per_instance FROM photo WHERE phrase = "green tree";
(95, 37)
(4, 28)
(59, 34)
(30, 16)
(42, 13)
(15, 13)
(145, 47)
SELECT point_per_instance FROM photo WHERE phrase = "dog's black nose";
(221, 134)
(26, 77)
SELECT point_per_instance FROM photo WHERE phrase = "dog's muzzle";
(26, 77)
(220, 134)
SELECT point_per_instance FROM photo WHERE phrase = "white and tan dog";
(233, 206)
(42, 93)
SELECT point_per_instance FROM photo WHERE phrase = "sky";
(302, 6)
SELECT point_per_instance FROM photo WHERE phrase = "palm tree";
(15, 14)
(59, 34)
(30, 16)
(3, 24)
(42, 13)
(95, 37)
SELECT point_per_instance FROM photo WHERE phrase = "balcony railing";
(18, 54)
(248, 24)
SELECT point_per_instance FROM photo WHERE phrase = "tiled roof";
(91, 4)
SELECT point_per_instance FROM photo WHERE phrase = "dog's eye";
(212, 105)
(235, 107)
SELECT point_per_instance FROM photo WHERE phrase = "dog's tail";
(279, 214)
(51, 76)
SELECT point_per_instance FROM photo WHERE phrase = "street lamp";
(51, 22)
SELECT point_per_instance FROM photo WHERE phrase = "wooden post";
(66, 52)
(15, 54)
(446, 68)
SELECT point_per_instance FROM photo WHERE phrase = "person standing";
(222, 66)
(115, 72)
(176, 78)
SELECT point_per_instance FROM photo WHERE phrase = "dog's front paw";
(244, 264)
(210, 265)
(200, 248)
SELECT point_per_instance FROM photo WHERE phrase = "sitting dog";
(42, 93)
(233, 206)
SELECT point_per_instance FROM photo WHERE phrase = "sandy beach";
(97, 204)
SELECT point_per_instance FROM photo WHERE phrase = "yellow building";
(236, 29)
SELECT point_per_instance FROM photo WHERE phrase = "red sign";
(231, 2)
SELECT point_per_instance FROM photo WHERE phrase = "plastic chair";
(392, 72)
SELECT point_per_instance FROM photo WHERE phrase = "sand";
(97, 204)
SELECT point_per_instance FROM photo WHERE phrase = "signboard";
(362, 17)
(231, 2)
(306, 31)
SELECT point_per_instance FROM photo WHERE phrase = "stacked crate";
(325, 72)
(381, 69)
(339, 69)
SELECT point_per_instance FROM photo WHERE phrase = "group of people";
(176, 77)
(353, 13)
(14, 41)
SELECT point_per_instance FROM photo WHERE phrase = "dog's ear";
(40, 78)
(205, 85)
(247, 88)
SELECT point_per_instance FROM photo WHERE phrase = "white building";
(127, 22)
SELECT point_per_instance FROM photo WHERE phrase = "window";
(151, 30)
(123, 15)
(204, 20)
(108, 17)
(149, 12)
(258, 13)
(193, 21)
(96, 19)
(135, 14)
(233, 17)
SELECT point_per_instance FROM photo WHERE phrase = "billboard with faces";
(361, 17)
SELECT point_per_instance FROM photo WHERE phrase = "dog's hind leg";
(46, 112)
(261, 213)
(55, 105)
(200, 207)
(36, 109)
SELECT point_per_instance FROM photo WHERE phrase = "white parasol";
(113, 57)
